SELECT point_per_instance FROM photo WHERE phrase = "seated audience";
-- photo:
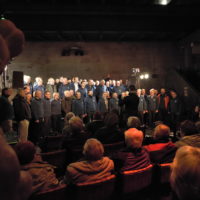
(189, 135)
(185, 176)
(134, 156)
(163, 150)
(74, 138)
(110, 133)
(68, 116)
(14, 185)
(96, 124)
(94, 167)
(42, 173)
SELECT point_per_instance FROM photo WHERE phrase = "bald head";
(162, 132)
(133, 138)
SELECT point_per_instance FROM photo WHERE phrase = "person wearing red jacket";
(163, 101)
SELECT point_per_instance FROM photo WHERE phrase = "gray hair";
(93, 149)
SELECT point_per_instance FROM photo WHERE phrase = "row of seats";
(128, 184)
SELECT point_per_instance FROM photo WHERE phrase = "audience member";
(42, 173)
(134, 156)
(95, 125)
(94, 167)
(110, 133)
(163, 151)
(185, 175)
(189, 135)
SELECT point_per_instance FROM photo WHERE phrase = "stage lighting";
(141, 76)
(162, 2)
(146, 76)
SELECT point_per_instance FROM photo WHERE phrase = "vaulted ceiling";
(103, 20)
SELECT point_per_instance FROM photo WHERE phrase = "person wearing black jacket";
(22, 114)
(78, 107)
(6, 111)
(131, 103)
(56, 113)
(36, 125)
(47, 113)
(90, 105)
(175, 108)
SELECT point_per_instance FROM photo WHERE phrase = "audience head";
(133, 138)
(25, 152)
(133, 122)
(185, 176)
(93, 150)
(76, 124)
(68, 116)
(161, 132)
(111, 119)
(188, 127)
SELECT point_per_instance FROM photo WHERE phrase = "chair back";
(136, 180)
(52, 143)
(58, 159)
(58, 193)
(165, 171)
(112, 148)
(96, 190)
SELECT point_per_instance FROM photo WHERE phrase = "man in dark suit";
(131, 103)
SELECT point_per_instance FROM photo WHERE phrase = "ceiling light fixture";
(162, 2)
